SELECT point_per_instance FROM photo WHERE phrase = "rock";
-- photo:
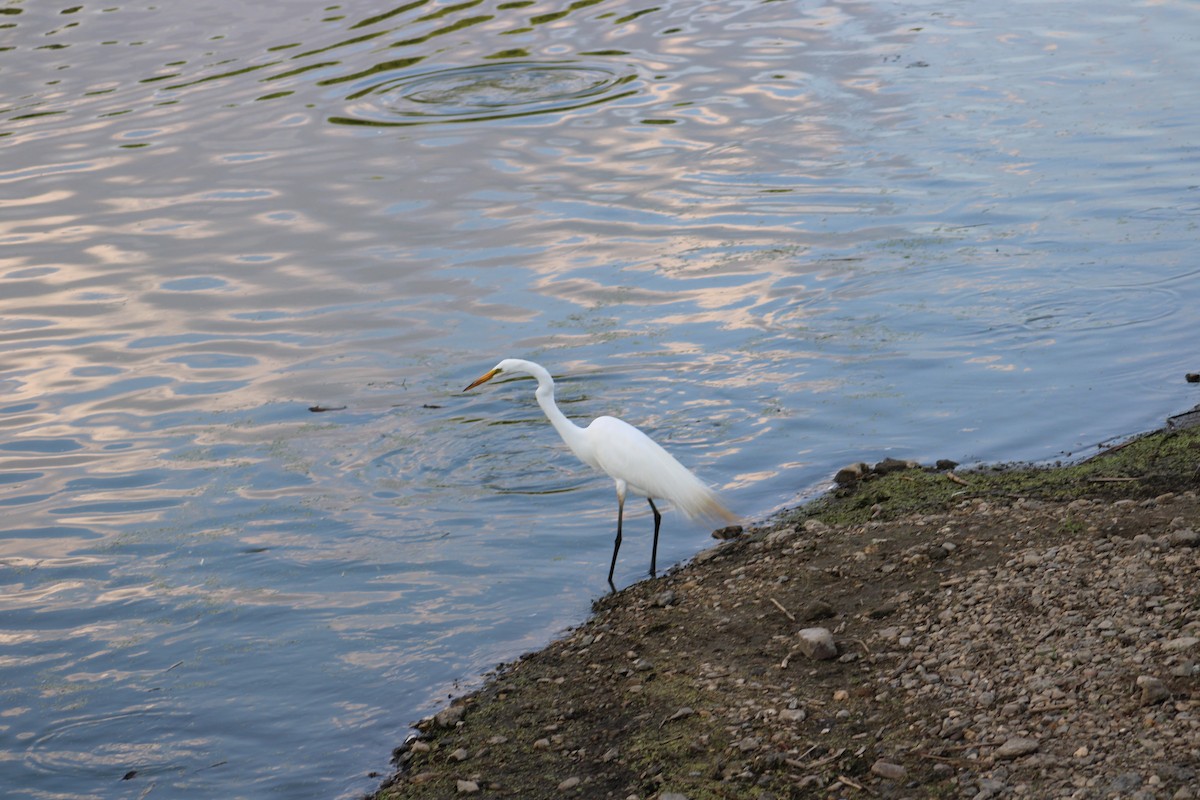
(815, 526)
(988, 788)
(1184, 538)
(1015, 747)
(1181, 644)
(945, 464)
(793, 714)
(817, 609)
(894, 465)
(569, 783)
(1125, 783)
(728, 532)
(886, 769)
(749, 743)
(449, 717)
(682, 713)
(664, 599)
(781, 535)
(460, 754)
(672, 796)
(541, 744)
(467, 787)
(852, 474)
(1154, 691)
(885, 610)
(816, 643)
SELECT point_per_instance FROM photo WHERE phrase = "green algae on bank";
(1142, 467)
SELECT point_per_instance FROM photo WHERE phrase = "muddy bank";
(916, 633)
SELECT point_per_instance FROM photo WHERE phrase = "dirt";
(954, 675)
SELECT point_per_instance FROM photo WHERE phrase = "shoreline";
(1000, 632)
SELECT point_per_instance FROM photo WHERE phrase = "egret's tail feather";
(704, 503)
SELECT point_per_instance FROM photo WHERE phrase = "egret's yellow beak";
(482, 379)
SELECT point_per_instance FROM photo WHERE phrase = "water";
(779, 236)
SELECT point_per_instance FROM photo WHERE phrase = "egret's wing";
(624, 452)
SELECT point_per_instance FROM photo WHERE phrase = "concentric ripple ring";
(483, 92)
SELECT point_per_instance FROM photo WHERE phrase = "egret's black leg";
(654, 547)
(617, 543)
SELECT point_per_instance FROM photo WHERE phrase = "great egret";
(631, 458)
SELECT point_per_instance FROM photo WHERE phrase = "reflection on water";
(778, 236)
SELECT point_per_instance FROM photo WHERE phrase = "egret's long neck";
(571, 433)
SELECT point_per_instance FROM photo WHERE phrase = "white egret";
(631, 458)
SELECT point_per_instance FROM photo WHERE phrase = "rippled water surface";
(780, 236)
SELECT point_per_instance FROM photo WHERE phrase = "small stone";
(1154, 691)
(672, 796)
(460, 754)
(1016, 747)
(817, 643)
(467, 787)
(569, 783)
(610, 755)
(541, 744)
(852, 474)
(885, 610)
(1184, 538)
(894, 465)
(643, 665)
(498, 739)
(780, 535)
(1125, 783)
(793, 715)
(988, 788)
(815, 526)
(664, 599)
(728, 532)
(886, 769)
(682, 713)
(419, 746)
(449, 717)
(817, 609)
(1181, 644)
(945, 464)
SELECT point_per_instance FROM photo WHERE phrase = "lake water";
(779, 236)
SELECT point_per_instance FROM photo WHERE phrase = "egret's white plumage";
(631, 458)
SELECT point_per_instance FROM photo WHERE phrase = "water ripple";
(102, 745)
(483, 92)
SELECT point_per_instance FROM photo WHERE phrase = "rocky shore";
(916, 633)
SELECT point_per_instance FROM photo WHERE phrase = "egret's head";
(513, 366)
